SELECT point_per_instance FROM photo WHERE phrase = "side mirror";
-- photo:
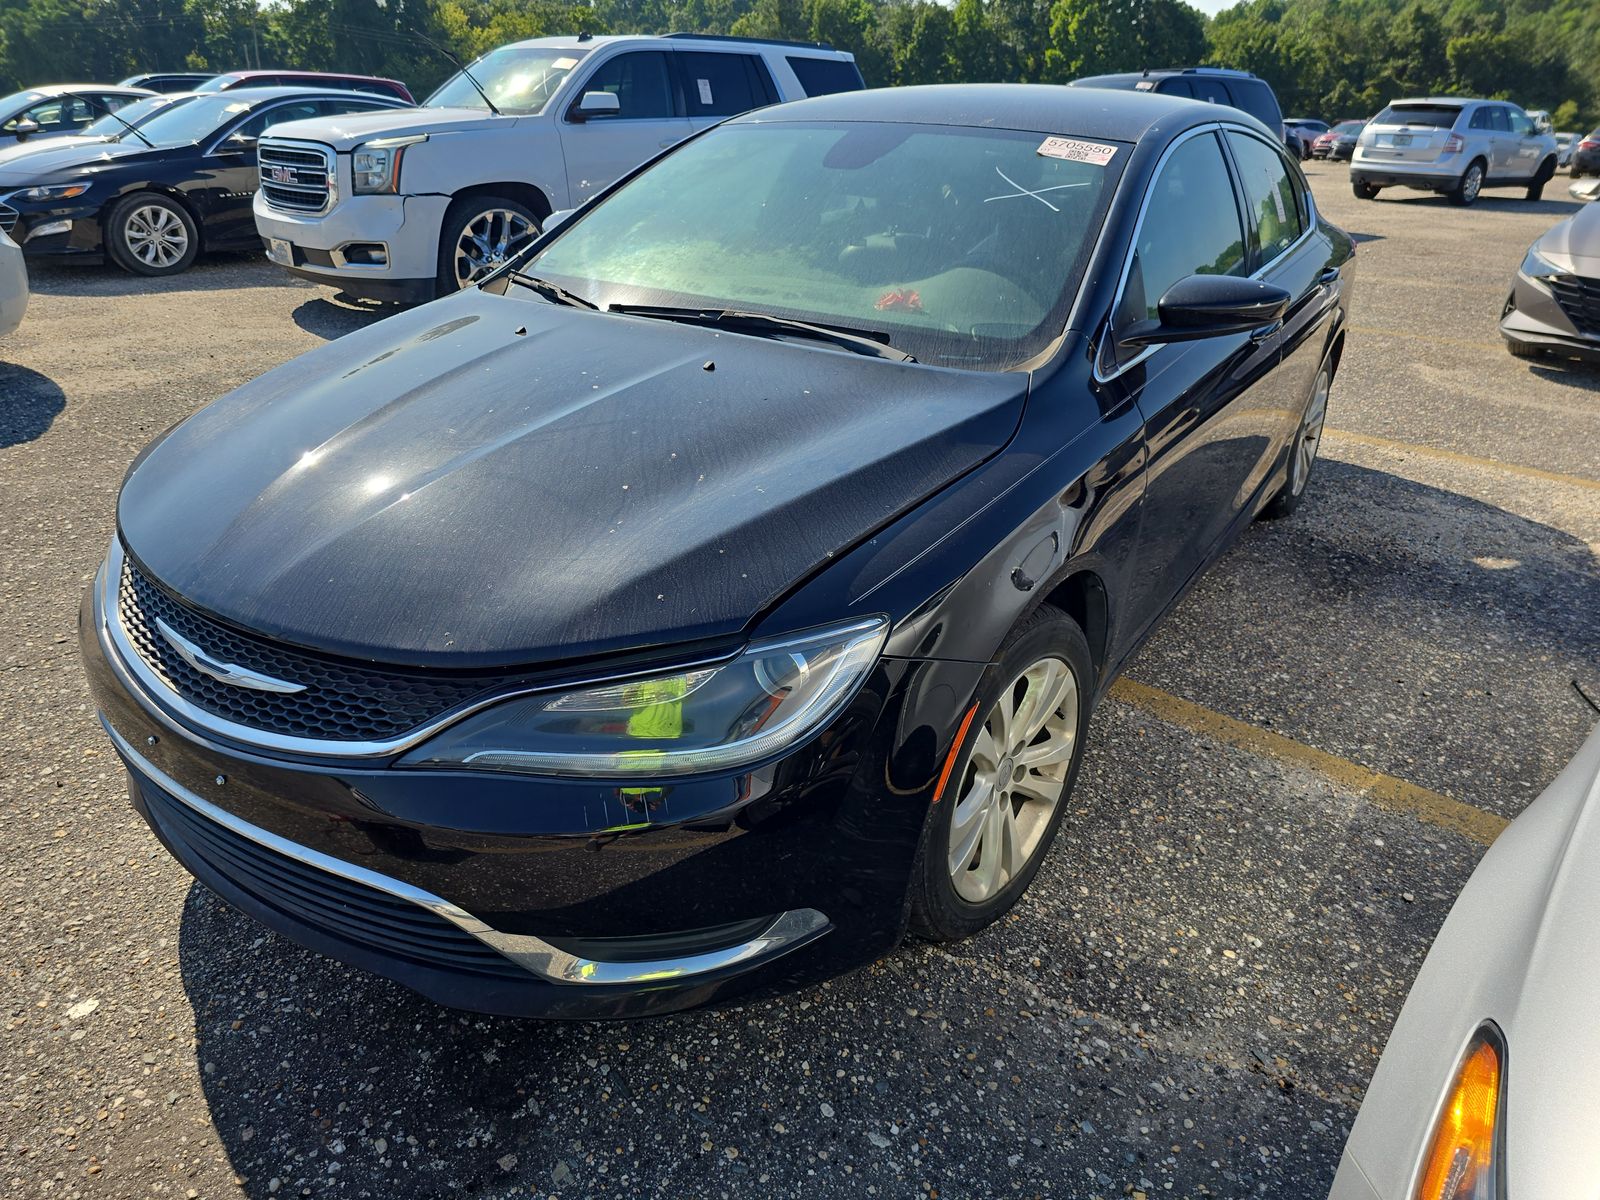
(239, 143)
(597, 104)
(1204, 306)
(557, 218)
(25, 128)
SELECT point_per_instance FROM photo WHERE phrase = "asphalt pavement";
(1274, 816)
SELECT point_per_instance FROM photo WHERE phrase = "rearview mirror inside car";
(598, 104)
(1204, 306)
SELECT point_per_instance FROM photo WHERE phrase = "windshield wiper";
(863, 341)
(551, 291)
(128, 126)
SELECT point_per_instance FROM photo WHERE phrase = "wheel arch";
(154, 189)
(1082, 596)
(523, 193)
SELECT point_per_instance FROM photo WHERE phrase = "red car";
(374, 84)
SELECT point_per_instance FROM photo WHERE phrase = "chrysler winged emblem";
(229, 673)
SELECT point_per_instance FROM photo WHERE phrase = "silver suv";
(1452, 146)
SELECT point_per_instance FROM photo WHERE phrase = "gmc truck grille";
(295, 176)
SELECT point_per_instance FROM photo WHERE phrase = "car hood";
(493, 481)
(1521, 948)
(66, 155)
(350, 130)
(31, 149)
(1575, 242)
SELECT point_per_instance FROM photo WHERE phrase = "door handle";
(1264, 333)
(1329, 275)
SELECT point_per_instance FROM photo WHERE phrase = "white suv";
(408, 205)
(1453, 146)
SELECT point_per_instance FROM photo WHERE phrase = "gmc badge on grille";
(229, 673)
(281, 174)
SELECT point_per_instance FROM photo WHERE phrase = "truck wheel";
(151, 234)
(1363, 191)
(1542, 176)
(480, 233)
(1469, 185)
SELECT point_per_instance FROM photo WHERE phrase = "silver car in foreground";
(1554, 306)
(13, 285)
(1453, 146)
(1487, 1087)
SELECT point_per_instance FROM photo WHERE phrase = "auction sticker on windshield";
(1073, 150)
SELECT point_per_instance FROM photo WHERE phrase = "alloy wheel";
(155, 235)
(1014, 779)
(1310, 438)
(489, 239)
(1472, 184)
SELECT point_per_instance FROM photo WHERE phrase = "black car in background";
(179, 183)
(1216, 85)
(1586, 156)
(727, 582)
(169, 81)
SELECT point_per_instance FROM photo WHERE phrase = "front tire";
(1468, 186)
(991, 829)
(1363, 191)
(1303, 454)
(479, 234)
(1524, 349)
(151, 234)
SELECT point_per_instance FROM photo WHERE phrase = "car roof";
(255, 74)
(256, 95)
(703, 41)
(1449, 101)
(59, 89)
(1046, 108)
(1161, 72)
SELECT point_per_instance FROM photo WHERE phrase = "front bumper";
(54, 230)
(326, 248)
(1534, 317)
(533, 897)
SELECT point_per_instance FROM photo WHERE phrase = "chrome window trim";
(228, 131)
(153, 691)
(1215, 127)
(788, 930)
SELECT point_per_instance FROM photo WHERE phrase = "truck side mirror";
(597, 104)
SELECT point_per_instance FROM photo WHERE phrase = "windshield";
(16, 100)
(1438, 116)
(519, 80)
(963, 245)
(185, 124)
(114, 125)
(216, 83)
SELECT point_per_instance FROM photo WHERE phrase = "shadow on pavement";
(210, 273)
(332, 318)
(1568, 372)
(29, 402)
(1491, 203)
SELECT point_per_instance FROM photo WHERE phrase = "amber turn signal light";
(1460, 1164)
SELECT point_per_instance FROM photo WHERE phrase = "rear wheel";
(1303, 454)
(1469, 185)
(479, 234)
(1364, 191)
(151, 234)
(1002, 805)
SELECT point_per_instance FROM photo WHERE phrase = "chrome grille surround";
(296, 177)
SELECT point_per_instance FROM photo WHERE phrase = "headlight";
(703, 720)
(1461, 1160)
(1537, 266)
(375, 166)
(55, 191)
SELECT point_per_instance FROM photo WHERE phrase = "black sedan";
(175, 184)
(725, 586)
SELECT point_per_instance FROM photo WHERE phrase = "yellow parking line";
(1471, 460)
(1425, 337)
(1391, 793)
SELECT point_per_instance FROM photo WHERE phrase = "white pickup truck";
(411, 204)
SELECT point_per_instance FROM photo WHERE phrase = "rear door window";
(825, 76)
(1256, 98)
(723, 85)
(1276, 212)
(1210, 89)
(1175, 85)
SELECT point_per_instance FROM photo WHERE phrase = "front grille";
(342, 701)
(294, 178)
(1579, 299)
(8, 217)
(352, 912)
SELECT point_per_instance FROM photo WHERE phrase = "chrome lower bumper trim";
(539, 958)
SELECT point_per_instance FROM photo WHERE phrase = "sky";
(1211, 7)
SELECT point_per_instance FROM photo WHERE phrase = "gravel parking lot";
(1279, 804)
